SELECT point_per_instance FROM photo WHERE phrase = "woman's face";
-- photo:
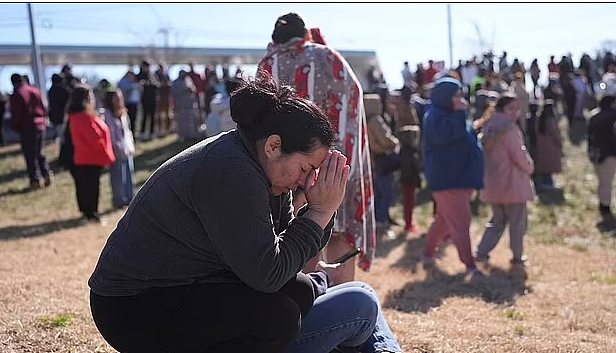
(513, 110)
(459, 103)
(288, 172)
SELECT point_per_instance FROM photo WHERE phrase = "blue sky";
(398, 32)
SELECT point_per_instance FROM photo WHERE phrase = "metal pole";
(37, 65)
(449, 30)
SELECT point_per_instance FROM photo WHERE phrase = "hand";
(327, 192)
(326, 187)
(332, 270)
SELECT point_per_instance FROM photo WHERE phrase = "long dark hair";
(79, 98)
(109, 103)
(263, 107)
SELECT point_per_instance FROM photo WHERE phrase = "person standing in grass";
(121, 172)
(93, 151)
(507, 179)
(549, 147)
(602, 152)
(453, 166)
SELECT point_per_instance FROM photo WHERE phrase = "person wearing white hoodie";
(219, 119)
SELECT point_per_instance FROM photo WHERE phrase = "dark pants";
(208, 317)
(32, 146)
(149, 115)
(131, 110)
(87, 184)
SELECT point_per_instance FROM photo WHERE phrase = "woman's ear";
(273, 147)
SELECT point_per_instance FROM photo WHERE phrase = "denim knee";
(365, 307)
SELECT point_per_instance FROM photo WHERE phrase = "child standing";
(549, 147)
(507, 179)
(121, 173)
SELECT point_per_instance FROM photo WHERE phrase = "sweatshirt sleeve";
(320, 282)
(233, 206)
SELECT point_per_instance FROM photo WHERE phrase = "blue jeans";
(122, 182)
(347, 317)
(383, 196)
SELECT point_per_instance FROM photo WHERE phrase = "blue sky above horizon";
(396, 31)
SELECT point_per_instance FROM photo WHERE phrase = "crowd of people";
(299, 170)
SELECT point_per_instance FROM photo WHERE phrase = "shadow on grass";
(40, 229)
(147, 161)
(500, 286)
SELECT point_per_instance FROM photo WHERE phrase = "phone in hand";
(346, 257)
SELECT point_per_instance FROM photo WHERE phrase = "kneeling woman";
(208, 256)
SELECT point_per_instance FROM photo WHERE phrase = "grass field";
(565, 301)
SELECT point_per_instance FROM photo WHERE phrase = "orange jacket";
(91, 139)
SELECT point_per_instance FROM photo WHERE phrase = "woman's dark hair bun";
(256, 98)
(287, 27)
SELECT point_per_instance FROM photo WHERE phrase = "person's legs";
(92, 189)
(605, 173)
(147, 119)
(78, 175)
(518, 223)
(493, 233)
(455, 208)
(39, 158)
(438, 230)
(128, 186)
(348, 318)
(409, 206)
(28, 147)
(131, 109)
(116, 177)
(209, 317)
(383, 190)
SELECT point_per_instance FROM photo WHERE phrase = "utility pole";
(165, 31)
(449, 30)
(37, 64)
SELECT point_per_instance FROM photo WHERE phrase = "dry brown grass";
(564, 302)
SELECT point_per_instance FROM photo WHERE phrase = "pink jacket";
(508, 166)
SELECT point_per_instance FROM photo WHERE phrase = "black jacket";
(602, 135)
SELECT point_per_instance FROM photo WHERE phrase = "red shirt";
(91, 139)
(27, 109)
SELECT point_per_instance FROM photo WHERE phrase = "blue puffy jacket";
(452, 154)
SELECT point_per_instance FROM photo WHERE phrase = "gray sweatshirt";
(206, 216)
